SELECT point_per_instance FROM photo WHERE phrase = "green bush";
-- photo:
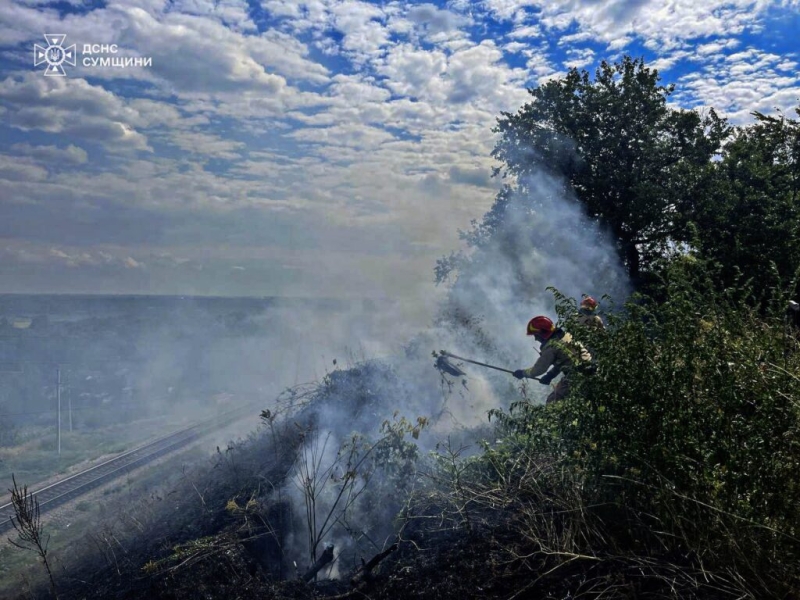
(687, 435)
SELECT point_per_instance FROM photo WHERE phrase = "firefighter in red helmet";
(587, 314)
(559, 352)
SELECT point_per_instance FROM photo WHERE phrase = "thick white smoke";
(535, 236)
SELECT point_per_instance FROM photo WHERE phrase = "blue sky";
(312, 147)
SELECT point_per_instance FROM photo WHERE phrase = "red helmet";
(541, 326)
(589, 303)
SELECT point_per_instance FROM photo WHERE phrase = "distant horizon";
(155, 295)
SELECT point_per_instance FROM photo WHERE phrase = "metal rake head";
(445, 366)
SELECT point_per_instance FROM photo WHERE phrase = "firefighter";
(559, 353)
(793, 315)
(587, 314)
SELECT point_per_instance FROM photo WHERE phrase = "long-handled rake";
(446, 366)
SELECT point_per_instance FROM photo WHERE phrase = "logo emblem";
(54, 55)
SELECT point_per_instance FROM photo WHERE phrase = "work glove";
(588, 368)
(547, 378)
(519, 373)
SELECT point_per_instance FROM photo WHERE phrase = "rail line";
(56, 494)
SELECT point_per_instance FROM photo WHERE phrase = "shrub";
(687, 435)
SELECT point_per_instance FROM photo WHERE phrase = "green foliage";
(691, 422)
(748, 213)
(631, 160)
(395, 455)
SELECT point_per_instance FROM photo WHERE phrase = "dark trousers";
(559, 392)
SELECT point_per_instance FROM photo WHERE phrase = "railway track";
(56, 494)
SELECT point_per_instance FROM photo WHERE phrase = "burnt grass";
(219, 531)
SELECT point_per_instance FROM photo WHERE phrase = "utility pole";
(69, 399)
(58, 394)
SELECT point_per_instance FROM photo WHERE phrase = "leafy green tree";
(633, 161)
(748, 217)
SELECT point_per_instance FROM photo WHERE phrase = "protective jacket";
(560, 352)
(793, 314)
(589, 320)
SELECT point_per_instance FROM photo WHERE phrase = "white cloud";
(740, 84)
(361, 137)
(434, 20)
(667, 62)
(526, 32)
(480, 73)
(356, 165)
(205, 144)
(358, 91)
(538, 63)
(716, 47)
(103, 257)
(664, 24)
(201, 49)
(566, 40)
(415, 72)
(579, 58)
(365, 34)
(514, 47)
(163, 116)
(80, 257)
(303, 15)
(507, 9)
(131, 263)
(618, 43)
(16, 168)
(198, 55)
(232, 13)
(72, 107)
(20, 23)
(283, 8)
(71, 155)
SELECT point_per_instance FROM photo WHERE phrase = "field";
(75, 526)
